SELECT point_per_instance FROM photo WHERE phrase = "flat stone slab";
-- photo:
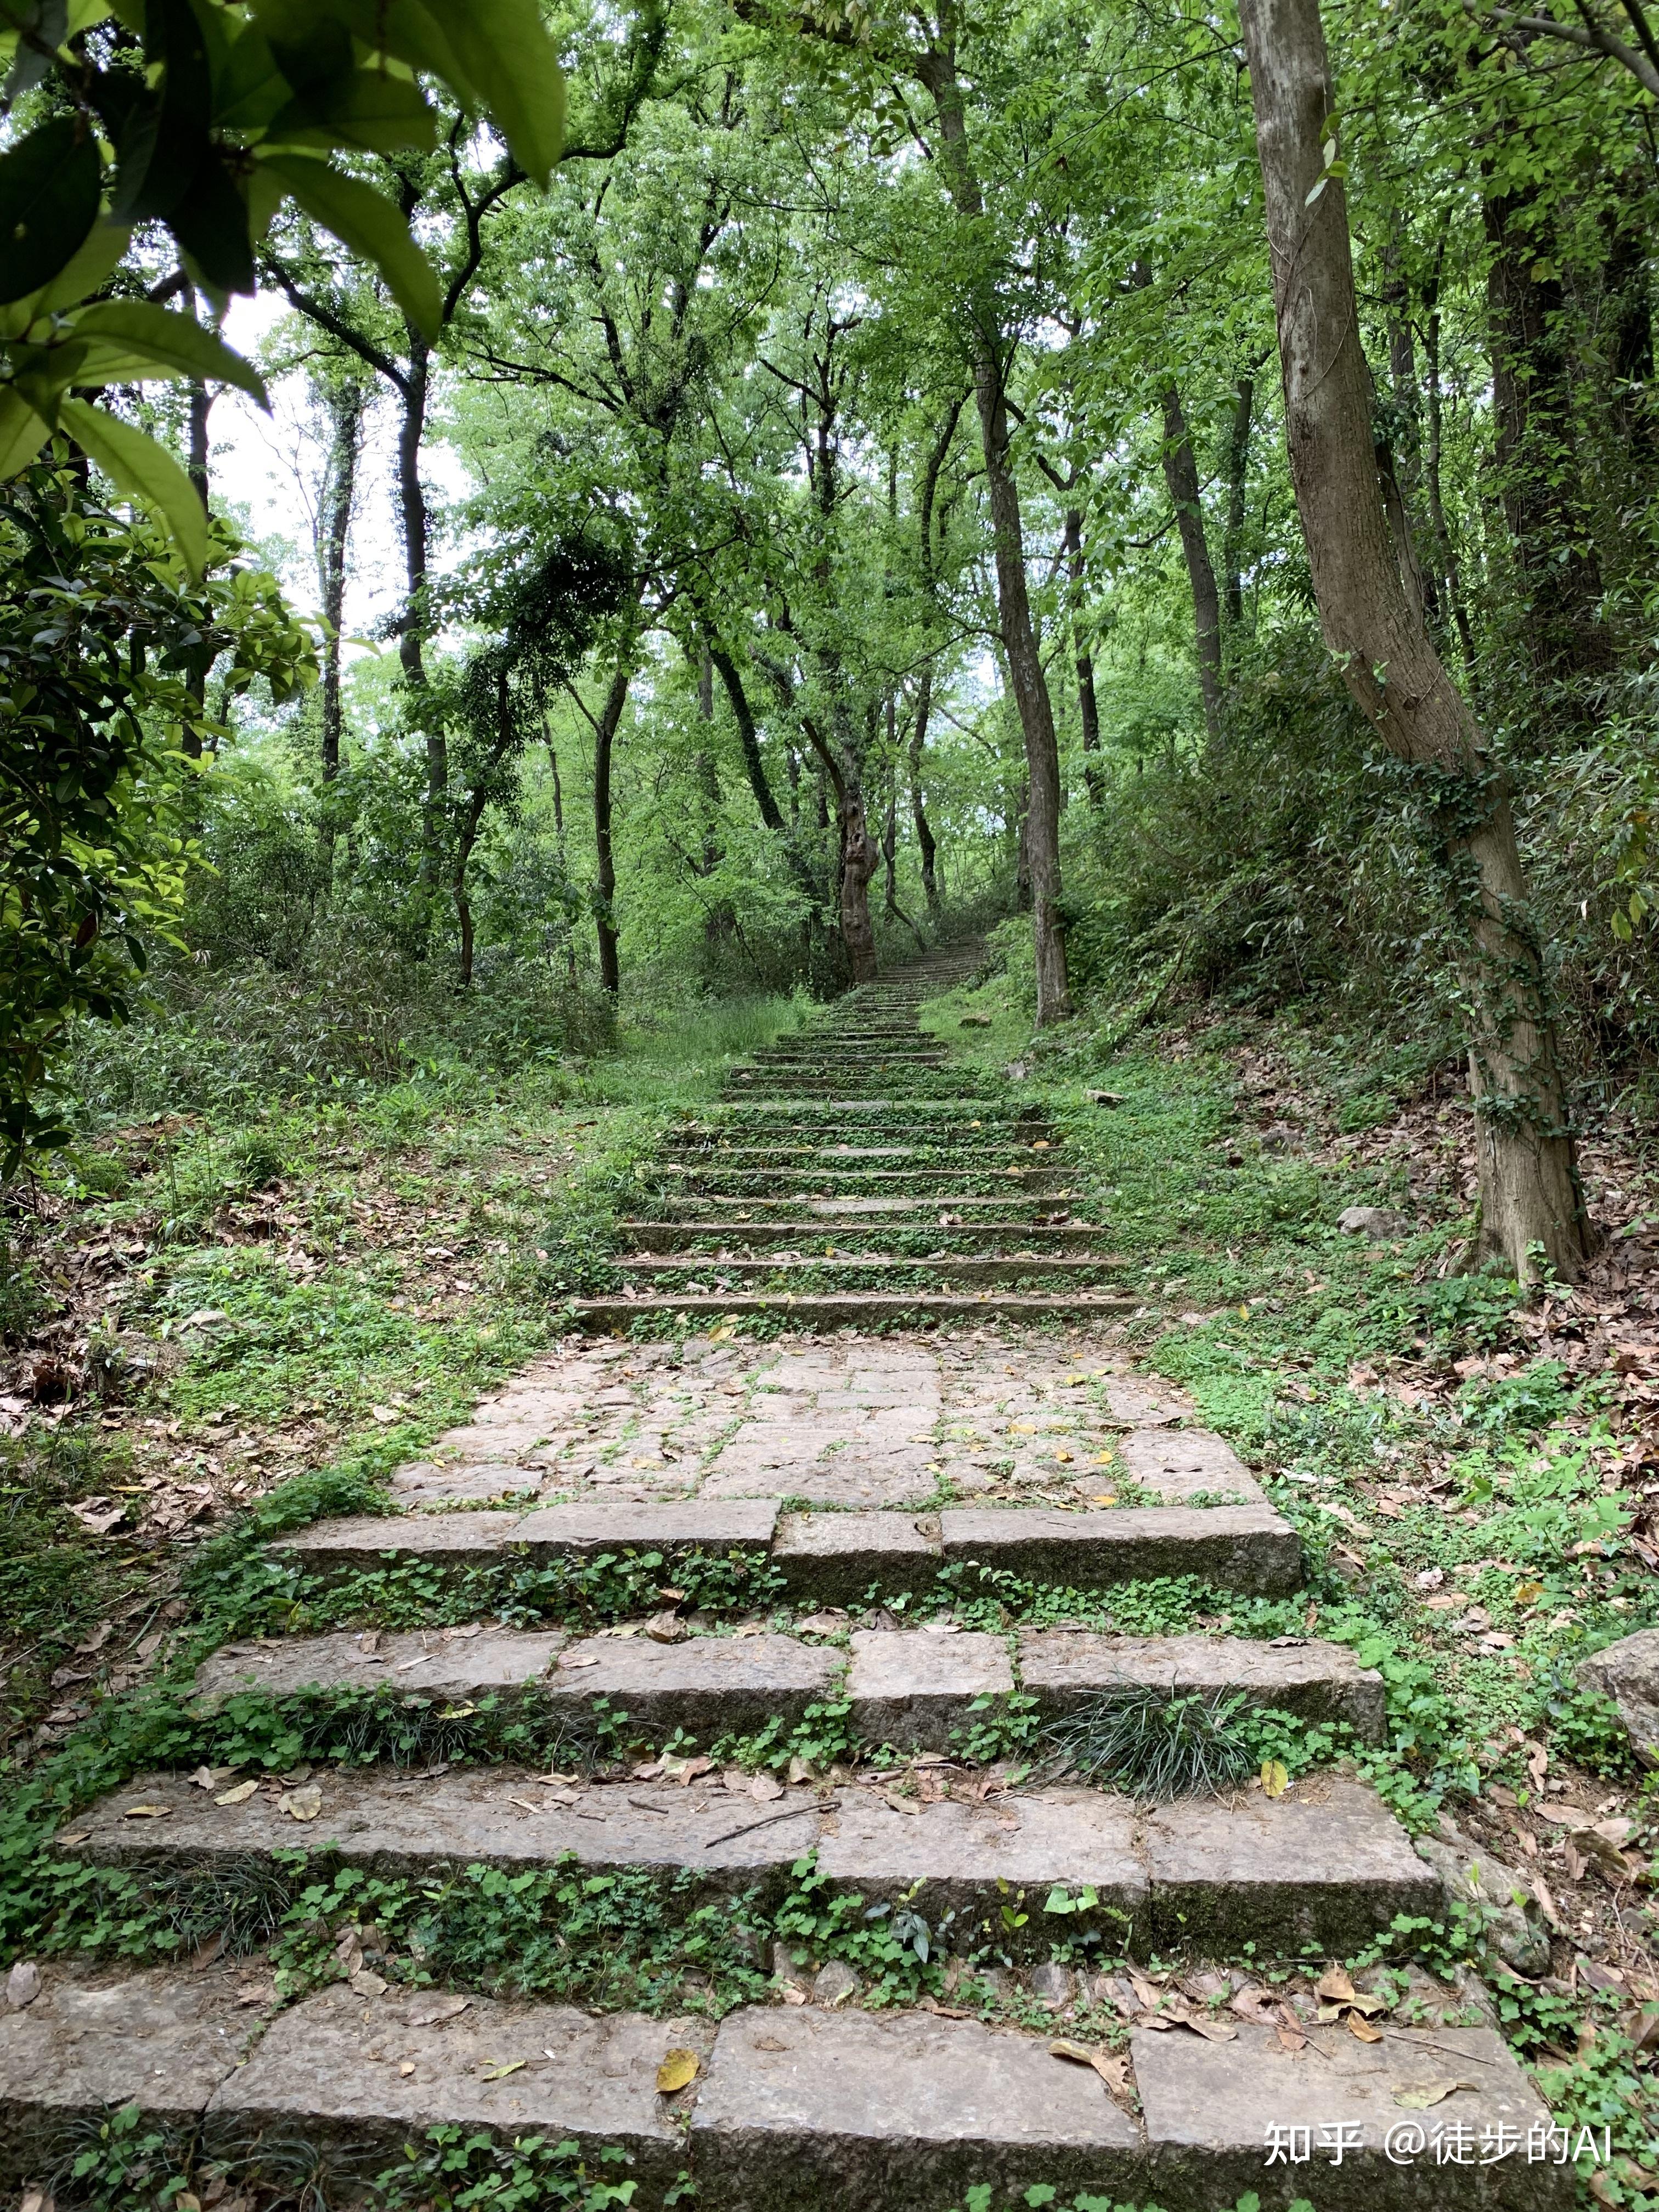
(365, 1539)
(737, 1525)
(710, 1686)
(911, 1688)
(1326, 1865)
(1247, 1549)
(498, 1816)
(1178, 1462)
(1065, 1668)
(465, 1663)
(1328, 1868)
(554, 1531)
(423, 1482)
(1628, 1672)
(804, 2108)
(835, 1559)
(342, 2071)
(1211, 2109)
(90, 2044)
(970, 1859)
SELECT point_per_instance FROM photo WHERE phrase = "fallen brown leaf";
(1419, 2096)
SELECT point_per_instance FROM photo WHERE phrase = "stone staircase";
(847, 1177)
(780, 1516)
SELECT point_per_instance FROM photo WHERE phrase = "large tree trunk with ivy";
(1532, 1208)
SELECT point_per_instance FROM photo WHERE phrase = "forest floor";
(222, 1327)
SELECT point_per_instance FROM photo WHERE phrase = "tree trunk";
(1088, 706)
(1181, 475)
(1532, 1208)
(605, 737)
(1538, 472)
(412, 634)
(1232, 536)
(924, 842)
(748, 739)
(345, 406)
(938, 71)
(859, 856)
(201, 399)
(1445, 552)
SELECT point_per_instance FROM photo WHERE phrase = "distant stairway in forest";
(854, 1174)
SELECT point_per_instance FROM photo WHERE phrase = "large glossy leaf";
(371, 110)
(134, 339)
(22, 433)
(504, 49)
(211, 222)
(144, 471)
(80, 276)
(49, 185)
(407, 30)
(371, 226)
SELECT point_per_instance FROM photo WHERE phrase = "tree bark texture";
(1180, 475)
(1538, 471)
(412, 632)
(1532, 1208)
(604, 738)
(1238, 464)
(938, 71)
(344, 403)
(1088, 706)
(925, 844)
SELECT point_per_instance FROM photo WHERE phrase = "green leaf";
(406, 30)
(137, 340)
(49, 185)
(80, 276)
(22, 433)
(371, 109)
(360, 218)
(144, 471)
(504, 47)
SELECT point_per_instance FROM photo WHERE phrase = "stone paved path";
(833, 1474)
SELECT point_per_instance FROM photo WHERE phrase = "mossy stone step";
(908, 1688)
(1034, 1271)
(1325, 1868)
(987, 1237)
(855, 1308)
(789, 2110)
(832, 1556)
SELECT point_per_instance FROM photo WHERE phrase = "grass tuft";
(1158, 1744)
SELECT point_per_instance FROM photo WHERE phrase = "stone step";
(853, 1308)
(717, 1175)
(907, 1689)
(1323, 1868)
(942, 1273)
(790, 2109)
(846, 1154)
(832, 1558)
(1009, 1208)
(985, 1237)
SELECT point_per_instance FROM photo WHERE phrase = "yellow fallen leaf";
(502, 2072)
(678, 2071)
(1363, 2030)
(301, 1804)
(1106, 1497)
(1114, 2072)
(1063, 1455)
(1417, 2096)
(408, 2066)
(1275, 1778)
(1334, 1986)
(1528, 1593)
(238, 1795)
(145, 1811)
